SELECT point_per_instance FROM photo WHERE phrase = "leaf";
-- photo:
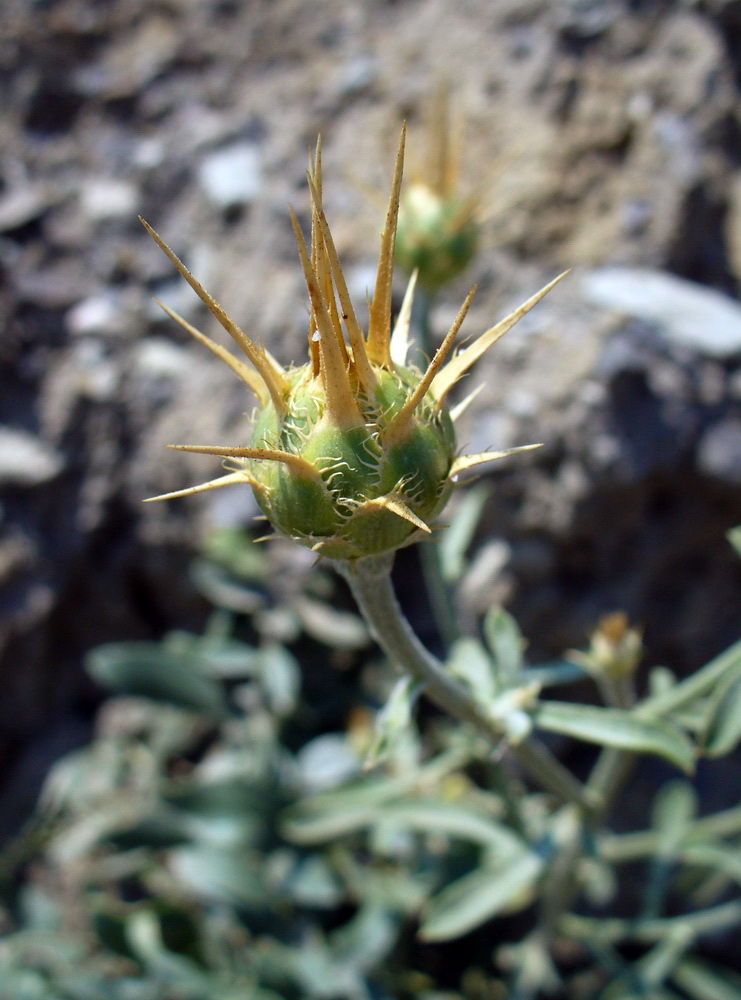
(552, 674)
(223, 590)
(724, 859)
(231, 875)
(280, 678)
(722, 730)
(305, 825)
(338, 629)
(613, 727)
(673, 810)
(505, 641)
(703, 982)
(147, 670)
(214, 656)
(698, 685)
(470, 662)
(479, 896)
(313, 883)
(160, 830)
(459, 534)
(393, 721)
(734, 537)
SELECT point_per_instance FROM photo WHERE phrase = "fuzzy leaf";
(481, 895)
(734, 537)
(145, 669)
(612, 727)
(470, 662)
(307, 825)
(722, 730)
(459, 534)
(724, 859)
(393, 721)
(505, 641)
(697, 685)
(702, 982)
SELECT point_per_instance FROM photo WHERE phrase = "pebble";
(94, 315)
(687, 314)
(159, 358)
(232, 176)
(25, 460)
(719, 450)
(22, 205)
(358, 74)
(104, 198)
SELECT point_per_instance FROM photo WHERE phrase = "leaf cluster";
(225, 836)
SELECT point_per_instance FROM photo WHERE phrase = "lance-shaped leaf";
(481, 895)
(697, 685)
(722, 730)
(612, 727)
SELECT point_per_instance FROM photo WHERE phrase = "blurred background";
(600, 135)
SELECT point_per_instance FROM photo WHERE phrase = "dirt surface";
(601, 133)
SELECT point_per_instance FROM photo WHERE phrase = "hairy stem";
(370, 582)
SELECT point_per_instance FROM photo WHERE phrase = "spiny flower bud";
(352, 454)
(438, 232)
(438, 236)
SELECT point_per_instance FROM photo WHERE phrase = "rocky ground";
(606, 136)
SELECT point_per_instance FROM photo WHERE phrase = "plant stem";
(369, 580)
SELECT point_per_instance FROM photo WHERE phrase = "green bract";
(352, 454)
(367, 496)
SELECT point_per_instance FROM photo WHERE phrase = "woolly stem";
(369, 580)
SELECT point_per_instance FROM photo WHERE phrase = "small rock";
(108, 198)
(21, 205)
(25, 460)
(98, 376)
(231, 177)
(687, 314)
(585, 19)
(160, 358)
(94, 315)
(358, 74)
(719, 451)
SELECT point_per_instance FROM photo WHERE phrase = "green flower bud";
(352, 454)
(437, 236)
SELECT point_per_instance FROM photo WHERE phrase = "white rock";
(108, 198)
(719, 451)
(232, 176)
(687, 314)
(25, 460)
(95, 314)
(160, 358)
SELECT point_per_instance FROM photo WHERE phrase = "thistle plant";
(353, 454)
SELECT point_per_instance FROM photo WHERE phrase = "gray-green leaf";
(145, 669)
(722, 730)
(613, 727)
(481, 895)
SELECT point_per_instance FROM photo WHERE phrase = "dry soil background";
(605, 133)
